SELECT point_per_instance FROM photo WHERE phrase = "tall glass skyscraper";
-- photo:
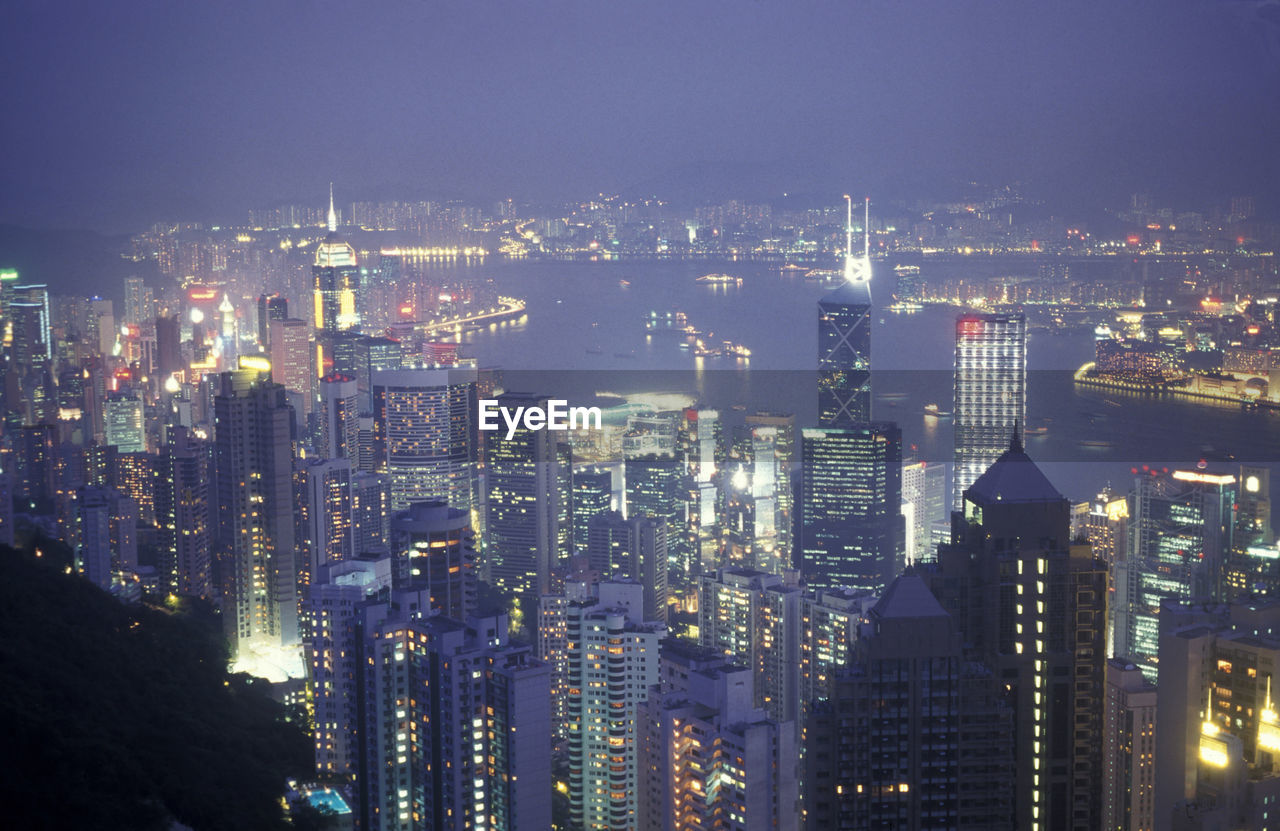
(851, 528)
(990, 393)
(425, 435)
(844, 356)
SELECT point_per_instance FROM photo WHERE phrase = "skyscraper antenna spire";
(333, 215)
(848, 239)
(866, 229)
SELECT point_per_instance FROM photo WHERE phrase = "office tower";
(124, 423)
(371, 513)
(702, 449)
(779, 430)
(844, 339)
(924, 504)
(851, 525)
(990, 392)
(424, 435)
(1180, 542)
(1218, 734)
(270, 307)
(182, 513)
(335, 605)
(1129, 750)
(139, 302)
(756, 530)
(100, 325)
(339, 418)
(913, 735)
(28, 327)
(621, 549)
(605, 633)
(709, 758)
(253, 472)
(29, 304)
(291, 358)
(522, 506)
(1033, 607)
(455, 723)
(434, 546)
(653, 486)
(592, 495)
(335, 278)
(325, 515)
(374, 355)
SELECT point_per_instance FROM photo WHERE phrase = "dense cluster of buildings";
(753, 625)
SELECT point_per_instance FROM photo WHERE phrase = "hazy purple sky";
(118, 113)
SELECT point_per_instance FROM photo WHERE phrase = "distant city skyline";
(190, 111)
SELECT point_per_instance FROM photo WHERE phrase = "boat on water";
(934, 411)
(624, 283)
(720, 279)
(793, 267)
(905, 308)
(1035, 431)
(1097, 444)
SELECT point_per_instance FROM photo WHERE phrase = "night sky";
(121, 113)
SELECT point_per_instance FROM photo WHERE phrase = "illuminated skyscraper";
(709, 758)
(592, 495)
(182, 512)
(701, 446)
(924, 504)
(270, 307)
(339, 418)
(124, 424)
(1129, 753)
(851, 526)
(454, 725)
(425, 435)
(371, 512)
(139, 303)
(334, 279)
(30, 304)
(253, 471)
(434, 546)
(654, 487)
(522, 509)
(291, 358)
(1217, 736)
(631, 549)
(844, 339)
(326, 513)
(990, 392)
(757, 478)
(1180, 544)
(613, 661)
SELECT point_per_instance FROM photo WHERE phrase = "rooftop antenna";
(333, 215)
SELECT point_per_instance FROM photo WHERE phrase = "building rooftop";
(908, 597)
(1013, 478)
